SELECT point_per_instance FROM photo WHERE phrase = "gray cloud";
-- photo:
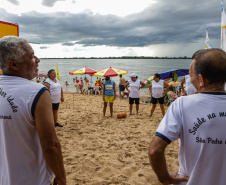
(163, 22)
(15, 2)
(43, 47)
(50, 3)
(68, 44)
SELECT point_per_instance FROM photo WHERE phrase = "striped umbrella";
(82, 71)
(42, 73)
(111, 72)
(174, 83)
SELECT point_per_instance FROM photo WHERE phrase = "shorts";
(122, 88)
(55, 106)
(109, 98)
(159, 100)
(131, 100)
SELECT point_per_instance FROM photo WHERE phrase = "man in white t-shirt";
(30, 152)
(198, 121)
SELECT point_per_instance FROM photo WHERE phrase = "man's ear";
(13, 65)
(202, 81)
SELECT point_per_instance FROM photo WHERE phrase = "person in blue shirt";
(109, 94)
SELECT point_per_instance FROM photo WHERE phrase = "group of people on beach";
(30, 149)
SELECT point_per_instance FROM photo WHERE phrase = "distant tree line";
(124, 57)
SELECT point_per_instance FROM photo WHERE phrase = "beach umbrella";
(0, 72)
(42, 73)
(174, 83)
(174, 73)
(111, 72)
(82, 71)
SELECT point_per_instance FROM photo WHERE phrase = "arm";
(167, 88)
(158, 162)
(47, 85)
(114, 91)
(62, 95)
(126, 86)
(50, 144)
(103, 91)
(150, 88)
(142, 84)
(182, 86)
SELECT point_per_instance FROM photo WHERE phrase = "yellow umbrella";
(111, 72)
(0, 72)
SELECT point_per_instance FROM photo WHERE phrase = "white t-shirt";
(54, 89)
(190, 89)
(199, 122)
(157, 88)
(21, 156)
(134, 89)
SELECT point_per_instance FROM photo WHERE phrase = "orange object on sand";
(119, 116)
(124, 115)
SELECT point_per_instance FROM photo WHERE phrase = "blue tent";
(174, 73)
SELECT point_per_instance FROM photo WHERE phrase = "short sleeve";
(170, 127)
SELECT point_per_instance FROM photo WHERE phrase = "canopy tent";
(111, 72)
(174, 73)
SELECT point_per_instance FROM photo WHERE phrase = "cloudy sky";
(109, 28)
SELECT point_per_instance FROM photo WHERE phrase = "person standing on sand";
(56, 92)
(156, 88)
(30, 152)
(198, 121)
(134, 92)
(109, 94)
(122, 86)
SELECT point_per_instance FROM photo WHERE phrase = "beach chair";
(168, 100)
(97, 89)
(77, 88)
(86, 89)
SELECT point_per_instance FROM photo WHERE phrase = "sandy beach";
(104, 151)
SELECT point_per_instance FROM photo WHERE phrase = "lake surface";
(143, 68)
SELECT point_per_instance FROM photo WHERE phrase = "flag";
(208, 45)
(58, 74)
(223, 27)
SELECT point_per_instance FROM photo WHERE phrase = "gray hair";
(10, 49)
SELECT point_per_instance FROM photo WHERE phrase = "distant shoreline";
(123, 58)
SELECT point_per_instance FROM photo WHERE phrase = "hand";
(59, 182)
(128, 91)
(62, 99)
(175, 179)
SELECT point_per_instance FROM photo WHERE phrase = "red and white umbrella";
(82, 71)
(111, 72)
(42, 73)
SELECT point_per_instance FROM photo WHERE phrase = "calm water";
(143, 68)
